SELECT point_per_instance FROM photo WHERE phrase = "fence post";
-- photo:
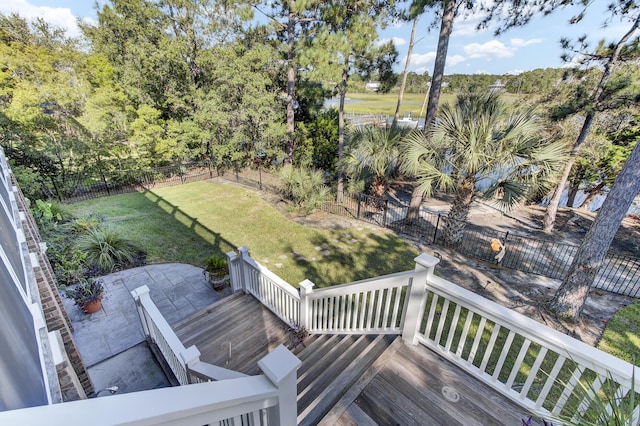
(139, 294)
(384, 215)
(244, 255)
(234, 277)
(306, 288)
(435, 233)
(260, 178)
(280, 367)
(359, 201)
(425, 265)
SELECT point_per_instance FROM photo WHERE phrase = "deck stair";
(331, 365)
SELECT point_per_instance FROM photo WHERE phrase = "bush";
(107, 249)
(305, 188)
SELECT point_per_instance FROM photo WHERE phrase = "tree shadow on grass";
(200, 234)
(346, 259)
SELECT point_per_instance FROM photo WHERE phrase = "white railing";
(160, 333)
(369, 306)
(279, 368)
(274, 292)
(532, 364)
(251, 400)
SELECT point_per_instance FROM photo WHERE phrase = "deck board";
(405, 390)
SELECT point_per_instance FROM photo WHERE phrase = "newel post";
(189, 357)
(306, 288)
(139, 295)
(280, 367)
(425, 265)
(244, 269)
(236, 280)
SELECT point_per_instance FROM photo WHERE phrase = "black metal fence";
(87, 186)
(620, 274)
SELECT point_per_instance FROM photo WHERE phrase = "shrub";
(305, 188)
(107, 249)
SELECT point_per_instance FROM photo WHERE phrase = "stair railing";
(274, 292)
(240, 401)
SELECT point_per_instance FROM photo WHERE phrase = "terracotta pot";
(92, 307)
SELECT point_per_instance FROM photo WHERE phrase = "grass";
(385, 103)
(190, 222)
(621, 337)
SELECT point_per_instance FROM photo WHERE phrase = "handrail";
(275, 293)
(546, 368)
(161, 334)
(279, 368)
(204, 403)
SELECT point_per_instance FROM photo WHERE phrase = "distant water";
(335, 102)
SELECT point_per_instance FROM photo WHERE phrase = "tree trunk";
(598, 97)
(592, 194)
(343, 95)
(413, 213)
(406, 72)
(457, 216)
(446, 27)
(291, 86)
(569, 299)
(573, 191)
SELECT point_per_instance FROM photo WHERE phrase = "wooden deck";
(349, 380)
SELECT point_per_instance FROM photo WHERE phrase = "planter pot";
(91, 307)
(218, 283)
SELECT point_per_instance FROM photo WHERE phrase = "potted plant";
(216, 272)
(87, 294)
(297, 334)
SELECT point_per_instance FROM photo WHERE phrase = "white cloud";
(424, 61)
(514, 72)
(455, 60)
(397, 41)
(56, 16)
(423, 58)
(518, 42)
(489, 50)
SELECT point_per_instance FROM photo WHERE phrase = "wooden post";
(425, 265)
(236, 281)
(306, 288)
(280, 367)
(245, 278)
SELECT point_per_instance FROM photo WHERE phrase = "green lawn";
(621, 337)
(188, 223)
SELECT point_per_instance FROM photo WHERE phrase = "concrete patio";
(111, 341)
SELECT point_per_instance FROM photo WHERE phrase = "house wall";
(30, 307)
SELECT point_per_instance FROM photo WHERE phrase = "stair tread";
(319, 395)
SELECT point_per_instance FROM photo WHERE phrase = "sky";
(536, 45)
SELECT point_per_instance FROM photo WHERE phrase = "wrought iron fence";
(84, 186)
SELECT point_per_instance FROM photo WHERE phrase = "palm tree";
(479, 139)
(375, 151)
